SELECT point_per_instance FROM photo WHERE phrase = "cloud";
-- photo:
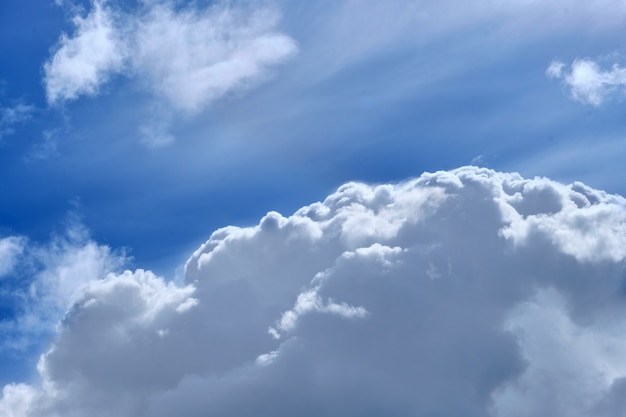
(587, 82)
(10, 116)
(342, 38)
(469, 292)
(190, 56)
(50, 279)
(10, 249)
(83, 62)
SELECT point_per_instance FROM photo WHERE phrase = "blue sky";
(138, 127)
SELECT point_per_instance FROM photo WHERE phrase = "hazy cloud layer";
(468, 292)
(188, 55)
(587, 81)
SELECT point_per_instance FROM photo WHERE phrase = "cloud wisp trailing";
(449, 294)
(588, 82)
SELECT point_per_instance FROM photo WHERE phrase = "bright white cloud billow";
(83, 62)
(468, 292)
(587, 81)
(190, 56)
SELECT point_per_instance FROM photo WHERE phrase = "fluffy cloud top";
(468, 292)
(188, 55)
(587, 82)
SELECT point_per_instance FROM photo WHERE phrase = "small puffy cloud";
(503, 293)
(587, 81)
(188, 55)
(83, 62)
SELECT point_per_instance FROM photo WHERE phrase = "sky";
(288, 207)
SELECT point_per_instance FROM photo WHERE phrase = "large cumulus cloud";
(186, 56)
(468, 292)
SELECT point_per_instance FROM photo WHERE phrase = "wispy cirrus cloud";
(13, 115)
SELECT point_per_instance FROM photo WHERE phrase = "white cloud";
(17, 400)
(587, 82)
(55, 275)
(311, 302)
(192, 57)
(10, 249)
(10, 116)
(585, 223)
(388, 299)
(83, 62)
(350, 33)
(188, 55)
